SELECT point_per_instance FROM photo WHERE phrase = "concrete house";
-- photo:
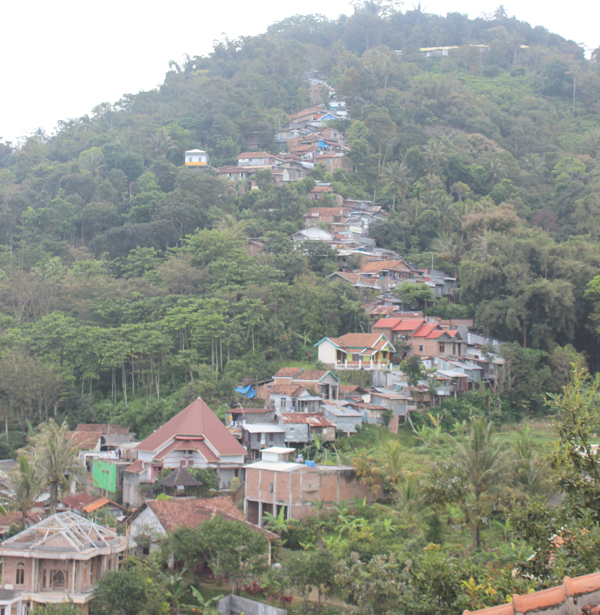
(193, 438)
(57, 559)
(356, 351)
(154, 519)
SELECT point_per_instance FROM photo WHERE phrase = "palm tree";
(531, 471)
(56, 456)
(415, 212)
(450, 247)
(161, 142)
(396, 177)
(434, 153)
(482, 462)
(25, 486)
(93, 163)
(447, 210)
(392, 463)
(410, 499)
(495, 171)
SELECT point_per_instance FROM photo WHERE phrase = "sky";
(60, 59)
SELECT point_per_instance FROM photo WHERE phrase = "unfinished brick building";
(273, 485)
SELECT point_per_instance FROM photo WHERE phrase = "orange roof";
(584, 589)
(288, 372)
(136, 467)
(311, 375)
(85, 439)
(195, 420)
(436, 334)
(425, 329)
(358, 340)
(322, 189)
(375, 266)
(387, 323)
(181, 512)
(409, 324)
(99, 503)
(285, 389)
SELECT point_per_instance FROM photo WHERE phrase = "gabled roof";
(314, 375)
(425, 329)
(195, 420)
(326, 211)
(87, 502)
(359, 341)
(387, 323)
(384, 265)
(84, 439)
(409, 324)
(190, 512)
(292, 390)
(440, 332)
(288, 372)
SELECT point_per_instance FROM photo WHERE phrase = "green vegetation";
(127, 290)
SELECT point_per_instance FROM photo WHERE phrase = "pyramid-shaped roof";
(195, 421)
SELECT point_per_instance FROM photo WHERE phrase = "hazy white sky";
(59, 59)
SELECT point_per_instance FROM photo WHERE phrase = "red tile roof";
(358, 340)
(288, 372)
(188, 445)
(84, 439)
(285, 389)
(409, 324)
(136, 467)
(387, 323)
(195, 420)
(436, 334)
(87, 502)
(318, 189)
(311, 375)
(425, 329)
(184, 512)
(556, 599)
(376, 266)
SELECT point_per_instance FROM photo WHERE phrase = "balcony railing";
(360, 364)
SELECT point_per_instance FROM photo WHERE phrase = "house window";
(58, 578)
(20, 575)
(442, 347)
(355, 357)
(282, 403)
(421, 348)
(270, 487)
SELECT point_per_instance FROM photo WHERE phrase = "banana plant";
(202, 604)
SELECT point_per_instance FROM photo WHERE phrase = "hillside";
(126, 285)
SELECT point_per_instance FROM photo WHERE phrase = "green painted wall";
(105, 475)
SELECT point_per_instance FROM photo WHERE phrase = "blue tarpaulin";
(248, 391)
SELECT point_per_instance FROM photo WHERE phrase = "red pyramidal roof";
(194, 421)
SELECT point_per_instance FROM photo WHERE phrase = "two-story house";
(356, 351)
(193, 438)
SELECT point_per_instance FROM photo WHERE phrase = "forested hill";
(126, 286)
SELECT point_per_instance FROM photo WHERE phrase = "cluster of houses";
(261, 456)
